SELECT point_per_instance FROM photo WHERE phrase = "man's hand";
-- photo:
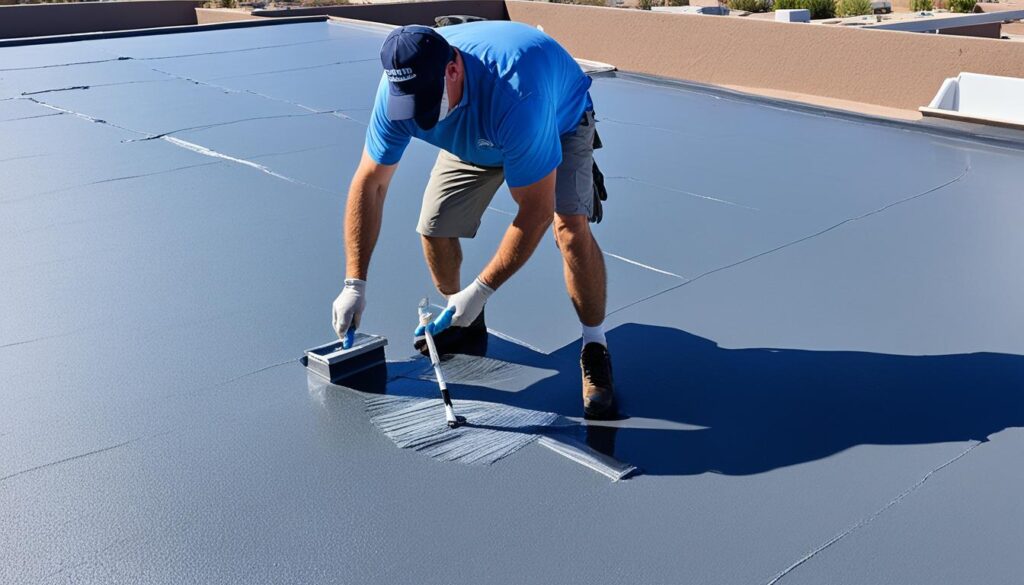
(348, 310)
(463, 308)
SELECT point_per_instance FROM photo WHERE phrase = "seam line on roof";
(869, 519)
(336, 113)
(80, 456)
(26, 156)
(43, 338)
(110, 180)
(71, 64)
(197, 148)
(642, 265)
(798, 240)
(258, 370)
(227, 123)
(682, 191)
(33, 117)
(164, 57)
(86, 117)
(290, 69)
(607, 253)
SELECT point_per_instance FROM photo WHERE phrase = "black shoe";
(471, 340)
(598, 386)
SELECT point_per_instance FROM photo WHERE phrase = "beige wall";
(34, 20)
(212, 15)
(893, 69)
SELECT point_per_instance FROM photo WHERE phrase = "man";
(504, 102)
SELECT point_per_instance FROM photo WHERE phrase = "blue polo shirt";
(522, 91)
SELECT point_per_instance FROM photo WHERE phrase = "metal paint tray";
(331, 362)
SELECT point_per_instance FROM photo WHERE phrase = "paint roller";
(449, 413)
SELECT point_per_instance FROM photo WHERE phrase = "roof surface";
(815, 324)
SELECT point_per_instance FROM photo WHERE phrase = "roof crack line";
(26, 156)
(336, 112)
(43, 338)
(102, 181)
(81, 115)
(683, 191)
(647, 126)
(228, 123)
(33, 117)
(246, 50)
(289, 69)
(66, 64)
(200, 149)
(605, 252)
(867, 520)
(258, 370)
(515, 340)
(80, 456)
(816, 234)
(642, 265)
(69, 88)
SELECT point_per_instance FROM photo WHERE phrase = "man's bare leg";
(444, 258)
(585, 280)
(583, 264)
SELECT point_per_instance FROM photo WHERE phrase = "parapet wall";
(402, 13)
(886, 68)
(34, 20)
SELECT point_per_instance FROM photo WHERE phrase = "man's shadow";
(689, 406)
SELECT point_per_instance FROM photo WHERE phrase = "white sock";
(594, 335)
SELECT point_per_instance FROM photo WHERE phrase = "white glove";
(463, 308)
(348, 310)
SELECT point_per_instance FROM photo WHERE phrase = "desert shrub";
(962, 5)
(819, 8)
(921, 5)
(847, 8)
(677, 2)
(644, 4)
(786, 4)
(228, 3)
(750, 5)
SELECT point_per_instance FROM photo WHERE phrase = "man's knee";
(442, 246)
(571, 231)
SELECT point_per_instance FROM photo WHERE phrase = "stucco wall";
(211, 15)
(404, 12)
(893, 69)
(33, 20)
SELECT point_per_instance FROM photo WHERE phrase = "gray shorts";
(459, 192)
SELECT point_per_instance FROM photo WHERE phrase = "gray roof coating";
(816, 334)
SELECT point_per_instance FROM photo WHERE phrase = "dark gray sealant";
(815, 330)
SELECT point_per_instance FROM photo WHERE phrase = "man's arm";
(536, 211)
(363, 213)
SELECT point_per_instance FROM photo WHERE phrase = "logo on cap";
(400, 75)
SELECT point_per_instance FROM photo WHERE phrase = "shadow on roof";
(691, 407)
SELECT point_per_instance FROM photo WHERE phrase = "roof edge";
(113, 34)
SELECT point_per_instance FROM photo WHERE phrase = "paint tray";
(331, 362)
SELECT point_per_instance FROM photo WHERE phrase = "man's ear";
(451, 70)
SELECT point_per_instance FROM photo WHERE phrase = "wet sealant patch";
(491, 431)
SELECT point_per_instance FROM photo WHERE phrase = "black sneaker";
(598, 387)
(471, 340)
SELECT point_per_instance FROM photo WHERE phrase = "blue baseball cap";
(414, 58)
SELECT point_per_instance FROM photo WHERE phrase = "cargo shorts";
(459, 192)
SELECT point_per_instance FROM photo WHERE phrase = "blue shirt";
(521, 92)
